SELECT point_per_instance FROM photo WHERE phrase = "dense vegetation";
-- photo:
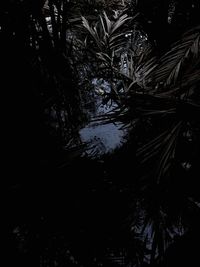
(137, 206)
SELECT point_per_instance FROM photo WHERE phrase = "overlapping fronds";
(106, 33)
(137, 68)
(144, 68)
(164, 145)
(165, 92)
(174, 62)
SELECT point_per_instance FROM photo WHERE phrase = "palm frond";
(185, 88)
(138, 68)
(117, 25)
(107, 34)
(92, 31)
(169, 150)
(163, 145)
(173, 62)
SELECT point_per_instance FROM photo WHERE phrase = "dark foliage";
(138, 206)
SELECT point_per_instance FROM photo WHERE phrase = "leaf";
(108, 22)
(119, 23)
(172, 63)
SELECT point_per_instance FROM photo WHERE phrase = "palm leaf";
(107, 37)
(124, 18)
(108, 22)
(163, 145)
(188, 81)
(171, 63)
(168, 151)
